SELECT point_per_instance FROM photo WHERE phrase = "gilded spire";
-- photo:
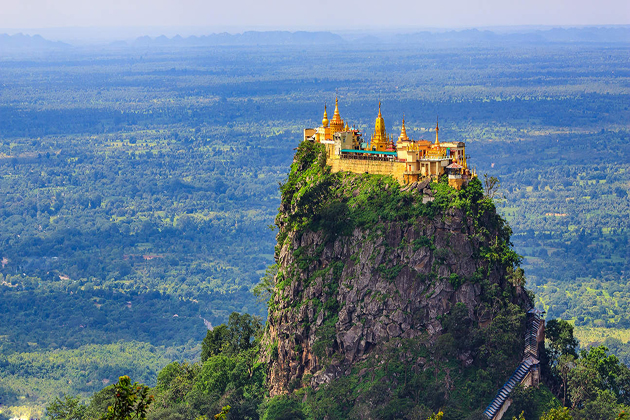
(379, 138)
(325, 119)
(380, 122)
(437, 129)
(336, 116)
(337, 123)
(403, 131)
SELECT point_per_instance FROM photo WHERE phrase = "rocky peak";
(364, 263)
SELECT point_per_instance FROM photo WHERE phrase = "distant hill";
(21, 42)
(570, 35)
(467, 36)
(246, 38)
(29, 43)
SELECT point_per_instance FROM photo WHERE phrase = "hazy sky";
(316, 14)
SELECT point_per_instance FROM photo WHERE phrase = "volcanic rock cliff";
(369, 270)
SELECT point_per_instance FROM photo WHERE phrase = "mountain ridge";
(21, 41)
(473, 36)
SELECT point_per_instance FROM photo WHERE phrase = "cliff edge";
(392, 297)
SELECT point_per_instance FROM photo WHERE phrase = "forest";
(229, 382)
(139, 186)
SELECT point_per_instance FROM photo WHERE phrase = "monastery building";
(406, 160)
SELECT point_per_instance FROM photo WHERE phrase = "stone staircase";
(529, 364)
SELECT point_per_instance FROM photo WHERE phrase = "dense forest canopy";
(138, 185)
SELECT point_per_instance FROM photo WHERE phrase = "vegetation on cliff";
(390, 301)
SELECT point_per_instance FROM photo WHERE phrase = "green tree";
(604, 407)
(564, 366)
(264, 290)
(561, 340)
(223, 414)
(283, 408)
(100, 402)
(583, 384)
(66, 408)
(524, 401)
(516, 276)
(598, 385)
(174, 382)
(491, 186)
(214, 341)
(623, 384)
(132, 401)
(608, 367)
(243, 330)
(557, 414)
(238, 335)
(458, 324)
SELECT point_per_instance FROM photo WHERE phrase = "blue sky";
(234, 15)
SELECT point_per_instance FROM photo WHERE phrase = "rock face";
(341, 295)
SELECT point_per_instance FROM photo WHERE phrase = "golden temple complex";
(406, 160)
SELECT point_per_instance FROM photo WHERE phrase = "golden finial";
(403, 131)
(379, 109)
(325, 119)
